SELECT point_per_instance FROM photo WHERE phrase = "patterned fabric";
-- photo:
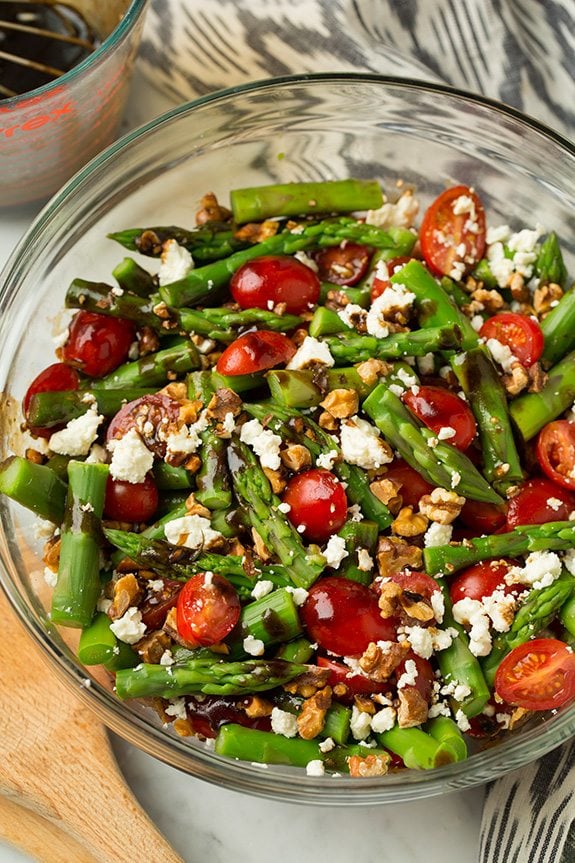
(519, 51)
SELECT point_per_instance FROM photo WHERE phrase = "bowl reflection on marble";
(292, 129)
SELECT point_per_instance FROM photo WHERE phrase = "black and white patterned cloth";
(521, 52)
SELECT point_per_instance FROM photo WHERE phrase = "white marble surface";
(205, 822)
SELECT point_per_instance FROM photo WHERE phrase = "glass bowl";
(288, 129)
(48, 133)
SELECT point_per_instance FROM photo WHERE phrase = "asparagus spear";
(34, 486)
(567, 616)
(254, 492)
(549, 265)
(208, 675)
(352, 348)
(203, 282)
(256, 203)
(78, 586)
(213, 479)
(301, 389)
(272, 619)
(222, 324)
(207, 243)
(419, 750)
(434, 305)
(153, 370)
(170, 478)
(559, 329)
(556, 535)
(326, 322)
(358, 535)
(537, 612)
(99, 646)
(530, 412)
(47, 409)
(481, 384)
(439, 463)
(446, 731)
(101, 298)
(134, 278)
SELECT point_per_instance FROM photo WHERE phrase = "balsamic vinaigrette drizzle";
(39, 42)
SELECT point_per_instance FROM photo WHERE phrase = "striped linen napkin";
(521, 52)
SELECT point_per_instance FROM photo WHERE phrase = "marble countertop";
(208, 822)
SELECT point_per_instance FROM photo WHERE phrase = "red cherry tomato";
(537, 675)
(275, 279)
(255, 352)
(482, 517)
(343, 616)
(345, 264)
(97, 344)
(425, 674)
(412, 485)
(483, 579)
(448, 237)
(157, 604)
(416, 582)
(55, 378)
(378, 285)
(213, 711)
(147, 414)
(439, 408)
(130, 501)
(356, 684)
(556, 452)
(521, 334)
(208, 609)
(531, 504)
(318, 502)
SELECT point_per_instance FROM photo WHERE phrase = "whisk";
(40, 40)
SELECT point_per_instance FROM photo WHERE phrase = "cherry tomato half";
(148, 414)
(318, 502)
(439, 408)
(97, 344)
(412, 485)
(531, 504)
(275, 279)
(379, 285)
(453, 231)
(522, 335)
(55, 378)
(482, 580)
(208, 609)
(158, 602)
(537, 675)
(356, 684)
(130, 501)
(255, 352)
(208, 715)
(416, 582)
(345, 264)
(343, 616)
(556, 452)
(482, 517)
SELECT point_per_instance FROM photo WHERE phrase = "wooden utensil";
(62, 796)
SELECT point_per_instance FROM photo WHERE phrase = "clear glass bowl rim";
(294, 787)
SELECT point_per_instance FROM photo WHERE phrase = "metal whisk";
(40, 40)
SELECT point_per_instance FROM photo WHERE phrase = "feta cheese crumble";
(78, 435)
(262, 588)
(264, 443)
(253, 646)
(191, 531)
(361, 444)
(335, 552)
(311, 352)
(131, 458)
(176, 263)
(129, 628)
(283, 722)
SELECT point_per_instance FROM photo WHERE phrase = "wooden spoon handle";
(37, 837)
(55, 759)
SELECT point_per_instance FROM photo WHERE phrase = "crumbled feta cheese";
(383, 720)
(420, 639)
(299, 594)
(407, 379)
(501, 609)
(186, 440)
(440, 708)
(352, 314)
(394, 298)
(131, 458)
(283, 722)
(78, 436)
(569, 560)
(477, 322)
(253, 646)
(360, 723)
(97, 454)
(462, 720)
(335, 551)
(326, 459)
(315, 768)
(437, 534)
(541, 569)
(305, 259)
(129, 628)
(50, 577)
(438, 605)
(455, 479)
(361, 444)
(262, 588)
(554, 503)
(364, 560)
(229, 423)
(426, 364)
(470, 612)
(354, 512)
(104, 604)
(497, 234)
(501, 354)
(191, 531)
(264, 443)
(402, 214)
(284, 507)
(167, 659)
(176, 263)
(311, 352)
(409, 676)
(446, 433)
(177, 708)
(326, 745)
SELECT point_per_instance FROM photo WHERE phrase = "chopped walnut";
(211, 211)
(340, 690)
(257, 232)
(544, 296)
(149, 243)
(327, 421)
(387, 491)
(34, 456)
(537, 378)
(341, 403)
(277, 481)
(311, 719)
(193, 464)
(51, 555)
(394, 554)
(193, 507)
(491, 301)
(183, 728)
(364, 704)
(127, 592)
(518, 288)
(162, 311)
(408, 523)
(189, 411)
(368, 765)
(378, 664)
(260, 547)
(416, 607)
(388, 601)
(256, 707)
(309, 682)
(295, 457)
(516, 381)
(413, 708)
(441, 506)
(223, 402)
(152, 647)
(518, 717)
(177, 391)
(371, 370)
